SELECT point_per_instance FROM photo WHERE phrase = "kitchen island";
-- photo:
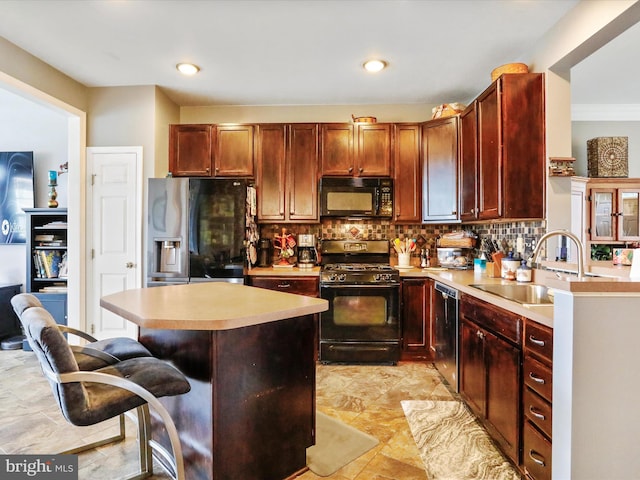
(249, 356)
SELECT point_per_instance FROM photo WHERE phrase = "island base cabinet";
(250, 413)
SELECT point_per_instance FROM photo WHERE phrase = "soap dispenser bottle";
(523, 274)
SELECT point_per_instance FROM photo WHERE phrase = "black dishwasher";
(445, 307)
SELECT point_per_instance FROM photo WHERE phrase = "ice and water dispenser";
(167, 255)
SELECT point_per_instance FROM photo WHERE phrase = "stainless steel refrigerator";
(199, 230)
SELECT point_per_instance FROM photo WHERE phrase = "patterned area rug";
(452, 444)
(337, 444)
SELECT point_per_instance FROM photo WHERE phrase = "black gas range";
(362, 323)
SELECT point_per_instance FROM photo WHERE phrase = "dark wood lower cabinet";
(9, 323)
(250, 413)
(536, 457)
(309, 286)
(490, 366)
(416, 319)
(537, 400)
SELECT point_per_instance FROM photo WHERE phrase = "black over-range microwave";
(356, 197)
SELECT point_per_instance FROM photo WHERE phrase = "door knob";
(129, 265)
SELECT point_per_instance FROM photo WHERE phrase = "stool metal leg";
(89, 446)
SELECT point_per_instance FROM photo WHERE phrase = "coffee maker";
(307, 253)
(265, 253)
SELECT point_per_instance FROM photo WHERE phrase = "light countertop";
(462, 279)
(208, 306)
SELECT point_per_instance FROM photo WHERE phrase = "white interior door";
(114, 227)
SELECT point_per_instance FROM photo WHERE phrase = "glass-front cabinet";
(615, 214)
(605, 215)
(628, 225)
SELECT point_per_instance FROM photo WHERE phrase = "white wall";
(24, 71)
(29, 126)
(305, 113)
(583, 131)
(166, 113)
(585, 29)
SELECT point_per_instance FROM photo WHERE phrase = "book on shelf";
(54, 289)
(50, 240)
(56, 224)
(39, 268)
(42, 237)
(48, 263)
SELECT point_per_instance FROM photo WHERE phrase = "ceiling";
(285, 52)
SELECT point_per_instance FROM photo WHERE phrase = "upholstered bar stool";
(90, 397)
(94, 354)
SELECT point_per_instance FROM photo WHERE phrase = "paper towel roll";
(634, 274)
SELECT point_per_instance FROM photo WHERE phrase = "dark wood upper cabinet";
(270, 160)
(440, 170)
(190, 150)
(233, 155)
(407, 174)
(468, 174)
(287, 177)
(302, 173)
(511, 146)
(336, 149)
(373, 157)
(360, 150)
(204, 150)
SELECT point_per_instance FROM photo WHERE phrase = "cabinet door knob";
(361, 170)
(350, 169)
(129, 265)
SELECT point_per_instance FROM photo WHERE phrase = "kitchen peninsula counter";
(461, 281)
(248, 354)
(544, 314)
(595, 340)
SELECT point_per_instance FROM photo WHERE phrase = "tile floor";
(367, 397)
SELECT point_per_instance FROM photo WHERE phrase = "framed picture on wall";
(16, 193)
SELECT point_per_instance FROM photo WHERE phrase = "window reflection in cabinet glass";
(630, 201)
(603, 203)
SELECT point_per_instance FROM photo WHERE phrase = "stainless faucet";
(561, 233)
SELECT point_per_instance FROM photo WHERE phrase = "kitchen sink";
(525, 294)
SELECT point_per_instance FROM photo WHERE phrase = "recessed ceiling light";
(374, 65)
(187, 68)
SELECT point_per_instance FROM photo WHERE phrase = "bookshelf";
(46, 259)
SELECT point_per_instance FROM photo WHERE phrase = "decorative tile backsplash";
(426, 235)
